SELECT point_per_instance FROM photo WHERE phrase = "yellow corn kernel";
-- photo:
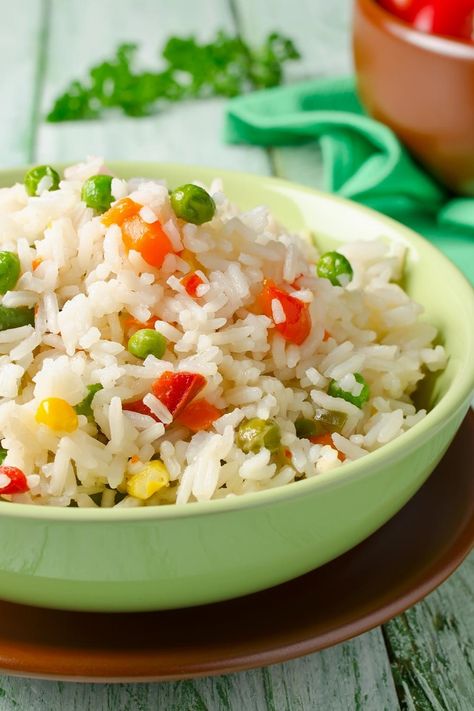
(153, 477)
(190, 259)
(56, 413)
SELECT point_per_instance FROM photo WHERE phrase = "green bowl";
(175, 556)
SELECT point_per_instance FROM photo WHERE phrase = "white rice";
(84, 288)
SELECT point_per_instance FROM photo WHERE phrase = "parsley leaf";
(227, 66)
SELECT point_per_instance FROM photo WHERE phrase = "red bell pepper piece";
(297, 326)
(140, 407)
(18, 481)
(198, 415)
(191, 282)
(176, 390)
(327, 439)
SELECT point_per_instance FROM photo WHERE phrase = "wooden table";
(423, 659)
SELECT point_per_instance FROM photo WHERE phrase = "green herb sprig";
(227, 66)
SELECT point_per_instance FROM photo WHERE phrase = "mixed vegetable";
(145, 342)
(57, 414)
(40, 178)
(192, 204)
(10, 269)
(359, 394)
(191, 283)
(255, 433)
(148, 481)
(17, 483)
(294, 323)
(147, 238)
(85, 406)
(97, 192)
(335, 267)
(14, 317)
(176, 397)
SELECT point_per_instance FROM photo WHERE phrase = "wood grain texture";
(189, 133)
(432, 647)
(321, 31)
(22, 33)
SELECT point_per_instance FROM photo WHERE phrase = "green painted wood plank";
(321, 31)
(354, 676)
(22, 32)
(432, 647)
(188, 133)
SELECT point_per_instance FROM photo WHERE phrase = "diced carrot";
(176, 390)
(149, 239)
(327, 439)
(198, 415)
(191, 282)
(297, 325)
(326, 336)
(36, 262)
(121, 211)
(132, 324)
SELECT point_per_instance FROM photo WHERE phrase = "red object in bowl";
(451, 18)
(420, 85)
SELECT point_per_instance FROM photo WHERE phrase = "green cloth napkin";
(363, 159)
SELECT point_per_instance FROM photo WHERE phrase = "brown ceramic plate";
(381, 577)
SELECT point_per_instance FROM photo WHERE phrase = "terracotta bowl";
(422, 86)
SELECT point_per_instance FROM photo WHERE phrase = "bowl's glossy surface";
(422, 86)
(153, 558)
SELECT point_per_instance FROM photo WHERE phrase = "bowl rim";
(456, 398)
(437, 44)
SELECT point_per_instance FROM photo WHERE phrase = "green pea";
(193, 204)
(305, 428)
(147, 342)
(10, 269)
(358, 400)
(85, 406)
(16, 317)
(3, 454)
(324, 421)
(329, 420)
(255, 433)
(336, 268)
(97, 192)
(35, 175)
